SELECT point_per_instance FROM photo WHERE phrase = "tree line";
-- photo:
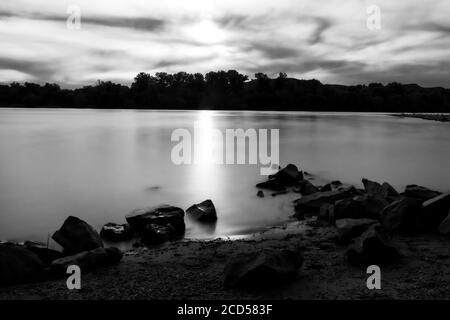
(229, 90)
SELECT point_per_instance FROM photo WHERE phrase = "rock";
(333, 185)
(364, 206)
(265, 268)
(402, 215)
(87, 260)
(274, 194)
(19, 265)
(46, 255)
(435, 210)
(444, 227)
(391, 192)
(352, 228)
(159, 215)
(116, 232)
(271, 185)
(326, 213)
(313, 202)
(76, 235)
(204, 211)
(306, 188)
(288, 176)
(422, 193)
(374, 189)
(260, 194)
(156, 234)
(372, 248)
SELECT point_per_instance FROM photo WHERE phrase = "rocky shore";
(336, 232)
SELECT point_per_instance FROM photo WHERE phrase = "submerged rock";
(352, 228)
(44, 253)
(419, 192)
(313, 202)
(87, 260)
(260, 194)
(435, 210)
(288, 176)
(402, 215)
(116, 232)
(159, 215)
(76, 235)
(266, 268)
(19, 265)
(203, 212)
(372, 248)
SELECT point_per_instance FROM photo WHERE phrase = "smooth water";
(100, 164)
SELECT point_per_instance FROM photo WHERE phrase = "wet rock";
(391, 192)
(159, 215)
(364, 206)
(116, 232)
(372, 247)
(352, 228)
(45, 254)
(435, 210)
(402, 215)
(444, 227)
(374, 189)
(19, 265)
(271, 185)
(261, 269)
(260, 194)
(306, 188)
(87, 260)
(203, 212)
(274, 194)
(76, 235)
(419, 192)
(313, 202)
(288, 176)
(156, 234)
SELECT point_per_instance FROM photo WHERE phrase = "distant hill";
(230, 90)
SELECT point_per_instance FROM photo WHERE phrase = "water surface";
(100, 164)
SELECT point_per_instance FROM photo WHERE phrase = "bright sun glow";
(206, 31)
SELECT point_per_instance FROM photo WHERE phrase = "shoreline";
(192, 269)
(441, 117)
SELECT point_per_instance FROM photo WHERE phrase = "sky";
(328, 40)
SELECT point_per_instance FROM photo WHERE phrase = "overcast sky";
(327, 40)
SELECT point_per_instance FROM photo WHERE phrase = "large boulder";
(76, 235)
(435, 210)
(352, 228)
(203, 212)
(156, 234)
(87, 260)
(44, 253)
(444, 227)
(273, 184)
(312, 203)
(374, 189)
(116, 232)
(372, 247)
(402, 215)
(19, 265)
(159, 215)
(363, 206)
(265, 268)
(419, 192)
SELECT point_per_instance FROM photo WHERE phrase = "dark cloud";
(322, 25)
(36, 69)
(272, 51)
(138, 23)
